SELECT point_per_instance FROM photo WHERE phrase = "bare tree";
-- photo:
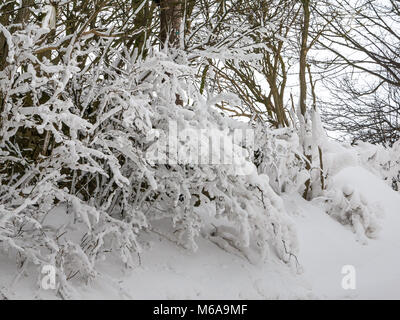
(364, 74)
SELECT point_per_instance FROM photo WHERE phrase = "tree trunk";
(170, 22)
(303, 56)
(304, 121)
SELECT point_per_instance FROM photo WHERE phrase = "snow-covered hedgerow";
(344, 202)
(80, 138)
(347, 204)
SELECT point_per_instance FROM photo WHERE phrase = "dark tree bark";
(170, 22)
(303, 86)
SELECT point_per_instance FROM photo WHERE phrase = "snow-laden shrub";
(77, 182)
(350, 207)
(278, 154)
(345, 203)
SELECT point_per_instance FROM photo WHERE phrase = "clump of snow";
(351, 207)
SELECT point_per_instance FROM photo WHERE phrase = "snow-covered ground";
(166, 271)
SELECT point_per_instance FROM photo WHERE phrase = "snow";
(166, 271)
(49, 21)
